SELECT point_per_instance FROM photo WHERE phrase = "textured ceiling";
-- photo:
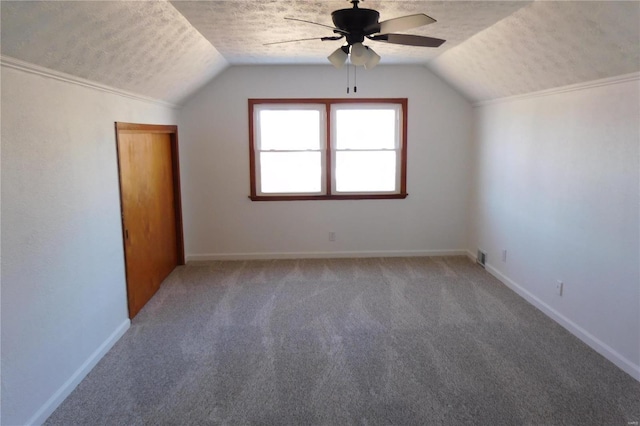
(147, 48)
(545, 45)
(239, 29)
(168, 50)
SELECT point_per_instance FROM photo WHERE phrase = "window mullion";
(328, 151)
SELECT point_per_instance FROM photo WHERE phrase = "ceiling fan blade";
(400, 24)
(408, 40)
(304, 39)
(338, 30)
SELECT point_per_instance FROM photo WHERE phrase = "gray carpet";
(347, 341)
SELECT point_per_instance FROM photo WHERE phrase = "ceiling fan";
(355, 24)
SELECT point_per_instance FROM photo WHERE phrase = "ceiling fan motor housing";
(355, 21)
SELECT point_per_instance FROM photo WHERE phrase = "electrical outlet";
(332, 236)
(559, 287)
(504, 255)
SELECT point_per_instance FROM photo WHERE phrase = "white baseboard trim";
(322, 255)
(63, 392)
(582, 334)
(472, 256)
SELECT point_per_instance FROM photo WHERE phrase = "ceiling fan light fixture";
(359, 54)
(356, 25)
(339, 56)
(372, 60)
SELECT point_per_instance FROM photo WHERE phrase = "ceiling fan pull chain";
(355, 79)
(347, 79)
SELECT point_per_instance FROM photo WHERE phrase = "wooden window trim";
(328, 102)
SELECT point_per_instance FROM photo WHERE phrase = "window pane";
(290, 172)
(289, 129)
(366, 129)
(366, 171)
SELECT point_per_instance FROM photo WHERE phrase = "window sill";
(328, 197)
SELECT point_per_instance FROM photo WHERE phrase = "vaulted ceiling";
(168, 50)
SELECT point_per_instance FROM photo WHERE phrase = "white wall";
(221, 222)
(557, 186)
(63, 286)
(556, 183)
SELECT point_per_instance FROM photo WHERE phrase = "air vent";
(481, 258)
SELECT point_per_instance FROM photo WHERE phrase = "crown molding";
(17, 64)
(564, 89)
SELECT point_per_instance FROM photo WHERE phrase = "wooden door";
(151, 213)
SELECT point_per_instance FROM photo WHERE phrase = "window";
(308, 149)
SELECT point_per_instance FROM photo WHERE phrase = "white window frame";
(258, 148)
(397, 108)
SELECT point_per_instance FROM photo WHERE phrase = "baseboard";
(471, 255)
(592, 341)
(323, 255)
(63, 392)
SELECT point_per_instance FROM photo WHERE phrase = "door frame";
(172, 131)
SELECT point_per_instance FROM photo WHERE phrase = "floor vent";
(482, 257)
